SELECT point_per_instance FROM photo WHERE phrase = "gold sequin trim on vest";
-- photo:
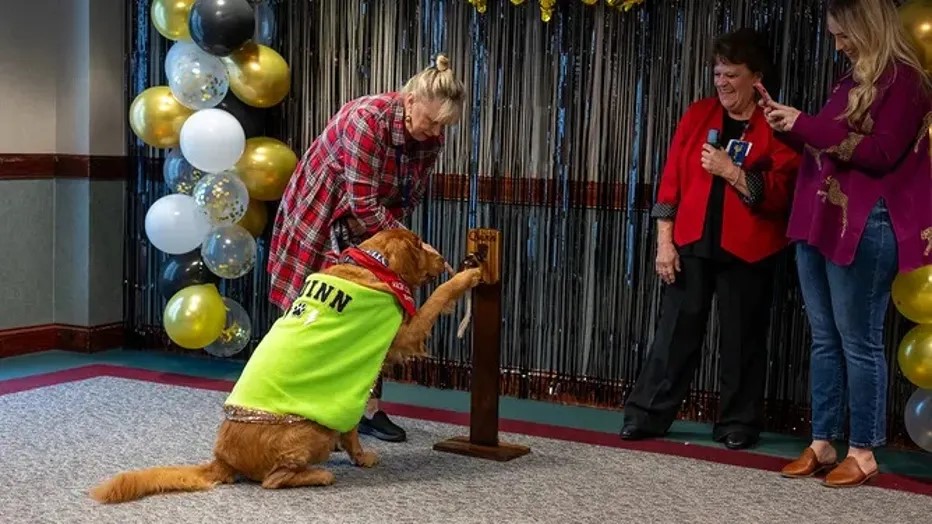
(255, 416)
(834, 195)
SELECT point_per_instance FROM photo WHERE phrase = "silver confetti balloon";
(223, 197)
(236, 332)
(180, 176)
(197, 79)
(229, 251)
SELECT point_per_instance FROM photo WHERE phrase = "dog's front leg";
(412, 335)
(350, 443)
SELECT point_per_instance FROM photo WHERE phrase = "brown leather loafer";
(805, 466)
(848, 474)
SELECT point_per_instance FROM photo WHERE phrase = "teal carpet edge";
(916, 464)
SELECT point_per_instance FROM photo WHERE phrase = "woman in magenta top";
(862, 211)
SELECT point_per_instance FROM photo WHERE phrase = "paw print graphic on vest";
(298, 309)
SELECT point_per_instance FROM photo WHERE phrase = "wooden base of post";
(482, 441)
(501, 452)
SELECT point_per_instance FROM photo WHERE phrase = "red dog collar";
(375, 262)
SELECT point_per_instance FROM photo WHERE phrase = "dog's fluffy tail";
(132, 485)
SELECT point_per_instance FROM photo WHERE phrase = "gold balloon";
(259, 76)
(917, 18)
(195, 316)
(266, 167)
(912, 294)
(156, 117)
(256, 218)
(170, 18)
(915, 356)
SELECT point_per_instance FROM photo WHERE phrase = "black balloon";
(251, 118)
(220, 27)
(185, 270)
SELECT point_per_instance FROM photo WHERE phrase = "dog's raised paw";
(469, 278)
(475, 276)
(367, 459)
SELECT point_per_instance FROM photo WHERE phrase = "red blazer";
(751, 233)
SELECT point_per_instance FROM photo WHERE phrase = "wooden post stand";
(482, 442)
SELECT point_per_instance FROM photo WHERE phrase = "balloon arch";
(220, 169)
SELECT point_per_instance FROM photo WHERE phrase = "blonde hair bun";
(438, 82)
(443, 62)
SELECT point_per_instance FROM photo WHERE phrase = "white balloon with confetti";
(222, 197)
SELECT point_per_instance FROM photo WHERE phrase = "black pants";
(744, 294)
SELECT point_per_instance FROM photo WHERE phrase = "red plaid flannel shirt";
(351, 171)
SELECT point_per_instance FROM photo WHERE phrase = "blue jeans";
(846, 306)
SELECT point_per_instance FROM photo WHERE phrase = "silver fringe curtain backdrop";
(560, 147)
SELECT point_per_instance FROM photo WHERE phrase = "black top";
(710, 244)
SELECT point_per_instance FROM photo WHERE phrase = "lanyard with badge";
(738, 149)
(404, 180)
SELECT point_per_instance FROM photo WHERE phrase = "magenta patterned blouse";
(846, 171)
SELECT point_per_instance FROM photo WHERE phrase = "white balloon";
(212, 140)
(175, 225)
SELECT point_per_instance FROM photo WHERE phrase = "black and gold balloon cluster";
(220, 169)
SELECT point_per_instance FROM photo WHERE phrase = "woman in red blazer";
(721, 213)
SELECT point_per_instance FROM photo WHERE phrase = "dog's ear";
(404, 256)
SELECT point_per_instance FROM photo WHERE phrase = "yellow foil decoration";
(546, 9)
(480, 5)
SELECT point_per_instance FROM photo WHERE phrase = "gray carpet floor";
(57, 442)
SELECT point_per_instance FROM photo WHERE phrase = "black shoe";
(631, 432)
(739, 440)
(380, 427)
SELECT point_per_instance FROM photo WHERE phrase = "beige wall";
(61, 65)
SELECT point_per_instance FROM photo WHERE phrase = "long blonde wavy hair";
(437, 82)
(879, 39)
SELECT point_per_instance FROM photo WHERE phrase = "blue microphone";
(712, 137)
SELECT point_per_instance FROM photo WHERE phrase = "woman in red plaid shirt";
(365, 173)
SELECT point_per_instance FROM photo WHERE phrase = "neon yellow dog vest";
(321, 358)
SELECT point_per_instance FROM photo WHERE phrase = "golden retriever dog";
(265, 442)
